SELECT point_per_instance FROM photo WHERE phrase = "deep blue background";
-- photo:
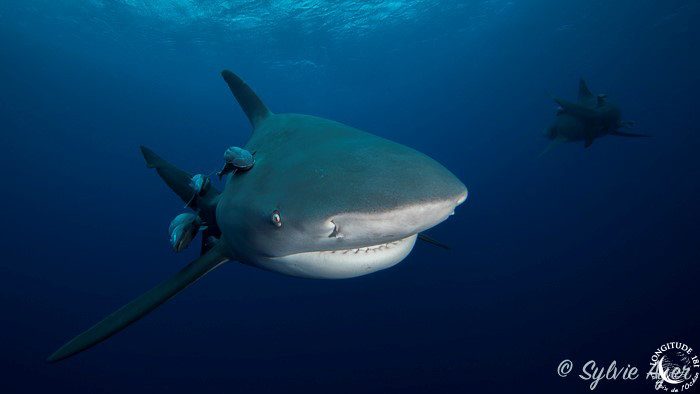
(580, 254)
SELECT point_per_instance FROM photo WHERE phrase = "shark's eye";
(276, 218)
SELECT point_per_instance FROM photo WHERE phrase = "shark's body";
(349, 203)
(591, 117)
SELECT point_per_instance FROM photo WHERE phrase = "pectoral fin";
(144, 304)
(555, 142)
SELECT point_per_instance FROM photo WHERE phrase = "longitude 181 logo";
(674, 367)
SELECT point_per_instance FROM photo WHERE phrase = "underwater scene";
(409, 196)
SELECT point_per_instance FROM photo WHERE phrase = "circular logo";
(673, 366)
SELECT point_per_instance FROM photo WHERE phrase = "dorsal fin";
(584, 94)
(254, 108)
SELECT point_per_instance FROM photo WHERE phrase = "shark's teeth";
(344, 263)
(366, 249)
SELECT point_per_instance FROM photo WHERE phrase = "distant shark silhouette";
(590, 118)
(323, 200)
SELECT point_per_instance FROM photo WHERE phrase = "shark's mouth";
(344, 263)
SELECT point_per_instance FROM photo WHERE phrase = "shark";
(590, 118)
(323, 200)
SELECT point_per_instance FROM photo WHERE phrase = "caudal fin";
(144, 304)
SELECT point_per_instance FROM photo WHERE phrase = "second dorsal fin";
(254, 108)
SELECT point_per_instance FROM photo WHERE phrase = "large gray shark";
(590, 118)
(323, 200)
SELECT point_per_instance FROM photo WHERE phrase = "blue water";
(580, 254)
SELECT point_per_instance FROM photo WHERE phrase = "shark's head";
(567, 127)
(327, 201)
(610, 116)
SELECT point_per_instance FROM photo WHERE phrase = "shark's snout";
(394, 223)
